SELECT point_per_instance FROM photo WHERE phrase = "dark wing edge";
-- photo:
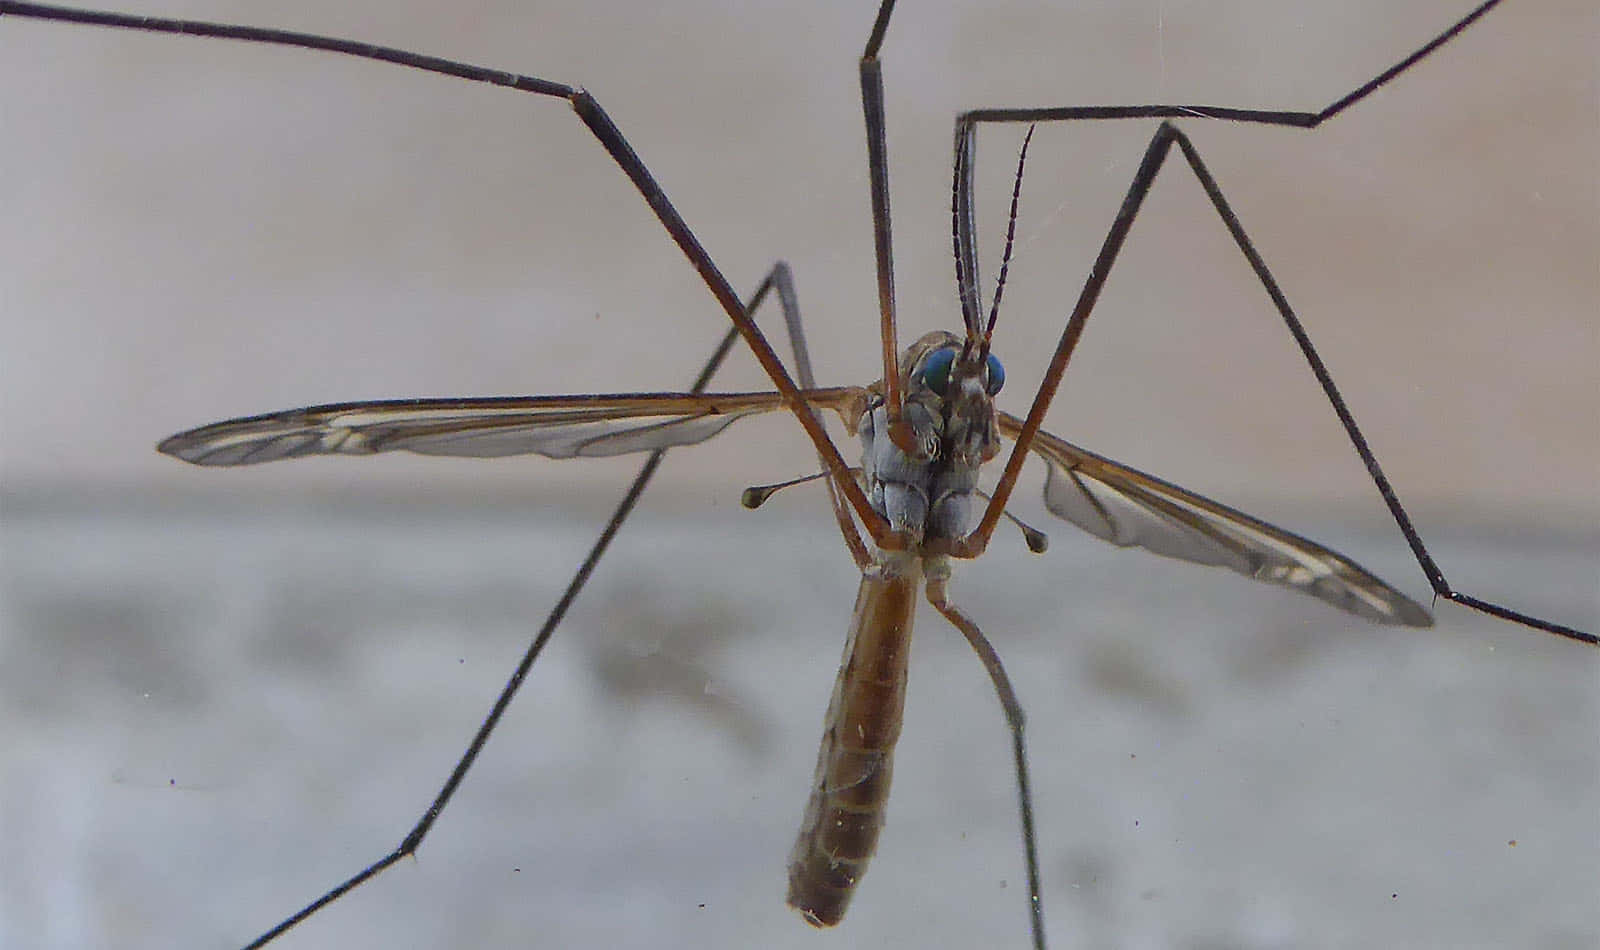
(1129, 508)
(553, 426)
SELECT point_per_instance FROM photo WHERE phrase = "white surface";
(1216, 763)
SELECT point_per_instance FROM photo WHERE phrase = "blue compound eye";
(997, 375)
(936, 369)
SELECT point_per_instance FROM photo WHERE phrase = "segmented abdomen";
(840, 829)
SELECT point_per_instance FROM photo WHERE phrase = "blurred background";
(222, 691)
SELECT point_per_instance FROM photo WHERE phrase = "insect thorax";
(925, 497)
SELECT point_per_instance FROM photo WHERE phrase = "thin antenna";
(964, 280)
(1011, 234)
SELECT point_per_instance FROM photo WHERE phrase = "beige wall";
(197, 229)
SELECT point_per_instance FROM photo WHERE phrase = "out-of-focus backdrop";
(222, 691)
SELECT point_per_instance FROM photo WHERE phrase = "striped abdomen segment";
(842, 818)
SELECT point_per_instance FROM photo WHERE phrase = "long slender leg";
(783, 280)
(882, 243)
(967, 122)
(1436, 578)
(413, 839)
(1155, 154)
(966, 231)
(610, 138)
(938, 576)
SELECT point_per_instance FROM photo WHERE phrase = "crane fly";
(912, 506)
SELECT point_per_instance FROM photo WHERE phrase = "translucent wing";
(1131, 509)
(553, 426)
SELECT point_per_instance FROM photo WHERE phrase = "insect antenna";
(1011, 234)
(966, 269)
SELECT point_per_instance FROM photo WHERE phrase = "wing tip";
(179, 447)
(1409, 613)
